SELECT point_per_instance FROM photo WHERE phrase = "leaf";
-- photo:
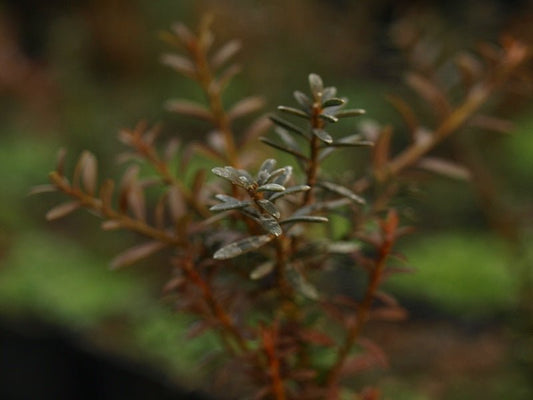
(230, 205)
(176, 203)
(333, 102)
(288, 150)
(225, 77)
(225, 53)
(316, 337)
(302, 284)
(343, 191)
(242, 246)
(183, 33)
(137, 202)
(445, 167)
(302, 99)
(350, 113)
(304, 218)
(271, 187)
(323, 135)
(290, 190)
(106, 194)
(238, 177)
(283, 176)
(287, 125)
(190, 109)
(60, 161)
(329, 92)
(136, 253)
(42, 189)
(430, 93)
(270, 224)
(406, 113)
(262, 270)
(343, 247)
(62, 210)
(316, 85)
(294, 111)
(269, 207)
(246, 106)
(89, 172)
(381, 151)
(180, 64)
(111, 225)
(329, 118)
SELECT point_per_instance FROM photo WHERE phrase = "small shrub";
(253, 241)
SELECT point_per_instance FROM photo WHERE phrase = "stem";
(363, 312)
(269, 337)
(212, 93)
(314, 147)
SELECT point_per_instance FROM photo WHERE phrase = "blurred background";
(72, 73)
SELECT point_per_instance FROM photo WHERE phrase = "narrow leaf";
(329, 118)
(136, 253)
(269, 207)
(225, 53)
(316, 85)
(304, 218)
(329, 92)
(62, 210)
(302, 284)
(60, 161)
(271, 187)
(190, 109)
(287, 125)
(89, 172)
(176, 203)
(271, 225)
(333, 102)
(110, 225)
(106, 194)
(294, 111)
(136, 202)
(302, 99)
(290, 190)
(179, 64)
(183, 33)
(42, 189)
(246, 106)
(445, 167)
(230, 205)
(350, 113)
(262, 270)
(242, 246)
(381, 151)
(323, 135)
(343, 191)
(295, 153)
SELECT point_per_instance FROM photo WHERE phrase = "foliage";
(252, 243)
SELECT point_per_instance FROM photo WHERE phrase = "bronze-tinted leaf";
(62, 210)
(136, 202)
(41, 189)
(246, 106)
(343, 191)
(316, 337)
(262, 270)
(445, 167)
(381, 152)
(60, 162)
(89, 172)
(176, 203)
(111, 225)
(242, 246)
(184, 34)
(431, 93)
(406, 112)
(136, 253)
(106, 194)
(180, 64)
(190, 109)
(225, 77)
(226, 52)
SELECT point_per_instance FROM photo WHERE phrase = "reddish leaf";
(246, 106)
(136, 253)
(62, 210)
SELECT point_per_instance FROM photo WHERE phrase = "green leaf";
(302, 99)
(343, 191)
(269, 207)
(323, 135)
(333, 102)
(316, 85)
(242, 246)
(350, 113)
(304, 218)
(329, 118)
(293, 152)
(262, 270)
(329, 92)
(287, 125)
(294, 111)
(230, 205)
